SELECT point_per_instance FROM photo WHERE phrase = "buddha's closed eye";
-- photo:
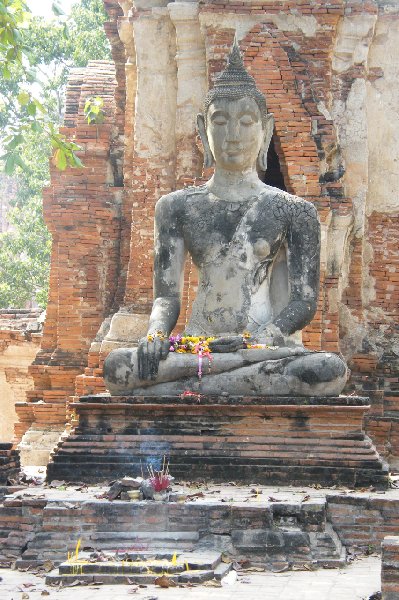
(219, 121)
(247, 120)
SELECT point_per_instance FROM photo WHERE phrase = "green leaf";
(36, 127)
(56, 8)
(60, 159)
(76, 161)
(20, 163)
(39, 105)
(31, 108)
(15, 141)
(9, 164)
(23, 98)
(11, 54)
(30, 75)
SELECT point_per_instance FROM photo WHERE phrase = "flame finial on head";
(235, 82)
(235, 58)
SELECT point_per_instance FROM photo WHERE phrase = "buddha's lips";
(233, 149)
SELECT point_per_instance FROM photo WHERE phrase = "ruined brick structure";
(20, 336)
(331, 77)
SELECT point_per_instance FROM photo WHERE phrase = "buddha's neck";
(233, 185)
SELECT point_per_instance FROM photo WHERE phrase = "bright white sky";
(43, 7)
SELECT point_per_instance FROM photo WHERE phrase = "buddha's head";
(235, 128)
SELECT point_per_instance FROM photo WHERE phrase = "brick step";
(194, 576)
(132, 441)
(216, 449)
(145, 562)
(223, 459)
(263, 474)
(123, 541)
(142, 568)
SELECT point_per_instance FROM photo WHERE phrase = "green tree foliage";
(87, 37)
(24, 257)
(31, 106)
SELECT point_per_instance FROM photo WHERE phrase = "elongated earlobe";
(268, 132)
(208, 156)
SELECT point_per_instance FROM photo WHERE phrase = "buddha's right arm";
(169, 259)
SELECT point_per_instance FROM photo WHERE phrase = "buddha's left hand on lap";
(227, 344)
(270, 335)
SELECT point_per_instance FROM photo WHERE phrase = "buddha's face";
(235, 133)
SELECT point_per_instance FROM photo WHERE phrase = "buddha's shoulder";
(289, 205)
(177, 200)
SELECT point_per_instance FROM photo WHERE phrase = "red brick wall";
(82, 209)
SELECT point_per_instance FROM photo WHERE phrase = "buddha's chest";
(220, 232)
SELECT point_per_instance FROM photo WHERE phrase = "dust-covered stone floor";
(357, 581)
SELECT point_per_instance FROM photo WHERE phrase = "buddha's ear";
(267, 136)
(208, 156)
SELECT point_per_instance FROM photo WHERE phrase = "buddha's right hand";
(149, 354)
(227, 344)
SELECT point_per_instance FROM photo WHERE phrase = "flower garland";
(190, 344)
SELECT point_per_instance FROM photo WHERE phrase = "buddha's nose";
(233, 131)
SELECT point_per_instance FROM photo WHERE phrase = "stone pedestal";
(267, 440)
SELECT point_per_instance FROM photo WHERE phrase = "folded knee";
(321, 367)
(119, 370)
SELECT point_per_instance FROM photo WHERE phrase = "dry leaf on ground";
(56, 483)
(48, 565)
(212, 583)
(165, 582)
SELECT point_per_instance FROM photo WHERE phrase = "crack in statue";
(257, 251)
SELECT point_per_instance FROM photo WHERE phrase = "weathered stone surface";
(235, 228)
(284, 371)
(270, 440)
(148, 530)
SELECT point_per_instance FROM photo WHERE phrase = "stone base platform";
(293, 532)
(277, 528)
(265, 440)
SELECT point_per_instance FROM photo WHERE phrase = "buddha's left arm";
(303, 238)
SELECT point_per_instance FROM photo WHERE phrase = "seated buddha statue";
(257, 252)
